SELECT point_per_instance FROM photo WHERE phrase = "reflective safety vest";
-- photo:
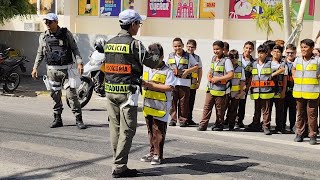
(121, 67)
(278, 82)
(219, 88)
(236, 80)
(194, 75)
(183, 63)
(248, 67)
(290, 82)
(306, 83)
(58, 51)
(261, 86)
(155, 102)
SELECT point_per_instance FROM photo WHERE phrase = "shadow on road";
(199, 164)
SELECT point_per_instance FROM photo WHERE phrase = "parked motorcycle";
(8, 67)
(93, 77)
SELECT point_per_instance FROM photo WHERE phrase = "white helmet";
(99, 44)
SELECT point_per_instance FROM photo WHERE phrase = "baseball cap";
(51, 17)
(129, 16)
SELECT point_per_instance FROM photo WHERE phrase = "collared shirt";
(42, 45)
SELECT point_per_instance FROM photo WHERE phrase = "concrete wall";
(28, 42)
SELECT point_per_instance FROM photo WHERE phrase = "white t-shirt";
(244, 62)
(259, 67)
(228, 66)
(192, 62)
(276, 65)
(170, 81)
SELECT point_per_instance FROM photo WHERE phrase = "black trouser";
(290, 103)
(241, 110)
(191, 103)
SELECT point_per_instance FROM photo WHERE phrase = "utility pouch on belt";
(46, 82)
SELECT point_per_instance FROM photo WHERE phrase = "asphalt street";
(29, 149)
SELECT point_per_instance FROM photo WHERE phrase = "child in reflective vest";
(279, 77)
(158, 85)
(220, 73)
(261, 91)
(237, 89)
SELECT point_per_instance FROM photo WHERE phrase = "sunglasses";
(48, 22)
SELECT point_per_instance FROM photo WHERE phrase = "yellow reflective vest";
(306, 83)
(155, 102)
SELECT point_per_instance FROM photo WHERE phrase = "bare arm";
(157, 87)
(279, 71)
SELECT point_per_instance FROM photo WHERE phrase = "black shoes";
(217, 128)
(126, 173)
(201, 128)
(57, 122)
(192, 123)
(80, 123)
(313, 141)
(172, 123)
(266, 131)
(183, 124)
(298, 138)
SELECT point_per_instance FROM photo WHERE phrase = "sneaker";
(147, 158)
(313, 141)
(267, 131)
(183, 124)
(155, 160)
(172, 123)
(298, 138)
(217, 128)
(126, 173)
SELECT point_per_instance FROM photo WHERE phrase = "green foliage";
(12, 8)
(270, 14)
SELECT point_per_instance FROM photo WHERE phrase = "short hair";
(226, 45)
(279, 42)
(279, 47)
(308, 42)
(270, 44)
(291, 46)
(233, 54)
(262, 49)
(193, 42)
(177, 39)
(127, 26)
(218, 43)
(249, 43)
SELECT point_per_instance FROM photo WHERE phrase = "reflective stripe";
(277, 96)
(171, 61)
(117, 88)
(183, 61)
(219, 69)
(217, 93)
(145, 76)
(159, 78)
(265, 71)
(193, 86)
(313, 81)
(237, 75)
(255, 96)
(262, 83)
(235, 88)
(117, 48)
(155, 95)
(310, 67)
(254, 71)
(305, 95)
(153, 112)
(194, 75)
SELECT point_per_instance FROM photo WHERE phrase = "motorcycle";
(92, 78)
(8, 67)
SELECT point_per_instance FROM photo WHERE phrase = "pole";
(300, 19)
(287, 19)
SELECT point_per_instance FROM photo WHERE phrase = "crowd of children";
(276, 77)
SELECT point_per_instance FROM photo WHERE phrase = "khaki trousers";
(123, 125)
(307, 114)
(60, 77)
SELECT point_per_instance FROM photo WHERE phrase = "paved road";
(31, 150)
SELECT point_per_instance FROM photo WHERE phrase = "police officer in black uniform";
(56, 46)
(125, 57)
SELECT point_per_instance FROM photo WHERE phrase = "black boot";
(79, 122)
(57, 122)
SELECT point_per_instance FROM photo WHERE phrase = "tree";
(13, 8)
(270, 13)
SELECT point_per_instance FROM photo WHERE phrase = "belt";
(59, 67)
